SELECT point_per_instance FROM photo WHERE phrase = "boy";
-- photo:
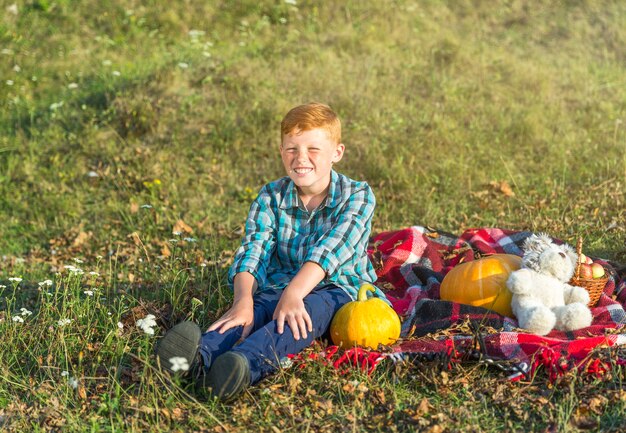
(303, 257)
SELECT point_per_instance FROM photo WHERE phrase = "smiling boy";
(303, 257)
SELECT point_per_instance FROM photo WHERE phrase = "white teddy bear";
(542, 299)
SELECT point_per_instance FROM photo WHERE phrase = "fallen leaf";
(182, 227)
(81, 239)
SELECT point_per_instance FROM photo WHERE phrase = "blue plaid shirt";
(281, 235)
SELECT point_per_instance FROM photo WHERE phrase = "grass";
(122, 122)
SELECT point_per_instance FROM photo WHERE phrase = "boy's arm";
(259, 242)
(290, 307)
(242, 312)
(250, 264)
(349, 235)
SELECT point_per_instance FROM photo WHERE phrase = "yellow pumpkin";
(365, 322)
(482, 283)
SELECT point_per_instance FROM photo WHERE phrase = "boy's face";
(308, 157)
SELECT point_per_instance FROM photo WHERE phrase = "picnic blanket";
(410, 265)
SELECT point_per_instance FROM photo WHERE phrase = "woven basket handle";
(579, 251)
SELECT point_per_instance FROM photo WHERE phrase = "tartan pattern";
(281, 235)
(411, 264)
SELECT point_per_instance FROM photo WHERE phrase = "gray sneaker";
(228, 377)
(182, 341)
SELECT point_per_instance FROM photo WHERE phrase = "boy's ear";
(339, 152)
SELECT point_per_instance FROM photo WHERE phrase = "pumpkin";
(482, 283)
(365, 322)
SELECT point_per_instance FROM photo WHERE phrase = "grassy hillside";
(124, 121)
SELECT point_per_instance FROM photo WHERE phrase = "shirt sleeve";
(259, 241)
(349, 236)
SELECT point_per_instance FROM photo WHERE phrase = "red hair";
(311, 116)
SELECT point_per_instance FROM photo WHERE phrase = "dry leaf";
(134, 207)
(181, 227)
(502, 187)
(81, 239)
(423, 407)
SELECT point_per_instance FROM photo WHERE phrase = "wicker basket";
(595, 286)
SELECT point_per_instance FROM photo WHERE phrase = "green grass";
(442, 102)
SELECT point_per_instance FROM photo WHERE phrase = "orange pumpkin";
(365, 322)
(482, 283)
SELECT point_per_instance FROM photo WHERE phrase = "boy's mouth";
(302, 170)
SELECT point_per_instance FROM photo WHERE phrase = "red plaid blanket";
(411, 264)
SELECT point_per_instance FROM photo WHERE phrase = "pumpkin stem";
(362, 296)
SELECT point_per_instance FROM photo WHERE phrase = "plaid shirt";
(281, 235)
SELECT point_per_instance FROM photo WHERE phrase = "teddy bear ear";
(534, 243)
(545, 238)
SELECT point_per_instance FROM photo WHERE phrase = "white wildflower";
(183, 65)
(12, 9)
(117, 73)
(10, 82)
(92, 174)
(177, 233)
(18, 319)
(45, 283)
(88, 292)
(147, 324)
(2, 286)
(282, 20)
(179, 363)
(77, 260)
(25, 312)
(291, 2)
(120, 325)
(72, 86)
(74, 269)
(65, 373)
(194, 34)
(15, 279)
(190, 239)
(64, 322)
(56, 105)
(7, 51)
(17, 68)
(94, 274)
(203, 265)
(107, 63)
(73, 382)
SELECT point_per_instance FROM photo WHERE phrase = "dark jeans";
(265, 347)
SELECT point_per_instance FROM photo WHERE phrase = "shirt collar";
(291, 199)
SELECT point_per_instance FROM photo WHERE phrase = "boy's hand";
(291, 309)
(240, 314)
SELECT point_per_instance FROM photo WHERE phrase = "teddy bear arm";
(520, 282)
(572, 294)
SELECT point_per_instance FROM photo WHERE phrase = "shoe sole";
(228, 377)
(182, 340)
